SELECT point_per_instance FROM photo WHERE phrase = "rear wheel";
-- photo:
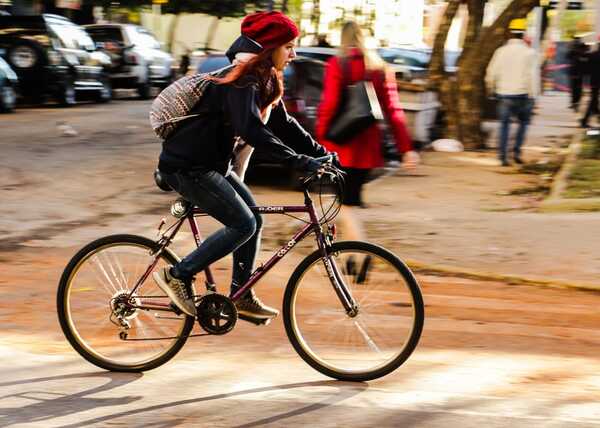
(101, 324)
(366, 345)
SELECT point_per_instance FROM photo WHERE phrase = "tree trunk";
(439, 80)
(210, 35)
(171, 34)
(315, 18)
(471, 92)
(473, 66)
(436, 65)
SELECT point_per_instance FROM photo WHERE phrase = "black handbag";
(359, 108)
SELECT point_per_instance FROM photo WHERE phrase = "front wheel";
(107, 325)
(67, 96)
(375, 340)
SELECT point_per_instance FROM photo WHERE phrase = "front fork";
(337, 280)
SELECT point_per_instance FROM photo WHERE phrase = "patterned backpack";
(175, 102)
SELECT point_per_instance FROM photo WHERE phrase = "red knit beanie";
(270, 29)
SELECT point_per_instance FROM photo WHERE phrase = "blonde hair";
(352, 37)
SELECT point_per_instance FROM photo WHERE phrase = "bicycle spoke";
(98, 314)
(363, 331)
(353, 346)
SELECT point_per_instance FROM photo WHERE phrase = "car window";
(315, 55)
(213, 63)
(405, 57)
(106, 34)
(71, 36)
(143, 38)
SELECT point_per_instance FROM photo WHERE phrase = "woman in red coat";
(363, 152)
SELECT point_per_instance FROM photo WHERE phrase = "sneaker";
(250, 306)
(518, 160)
(176, 289)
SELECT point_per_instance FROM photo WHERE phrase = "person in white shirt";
(513, 76)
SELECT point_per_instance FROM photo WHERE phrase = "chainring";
(216, 313)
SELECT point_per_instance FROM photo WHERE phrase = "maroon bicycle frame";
(335, 277)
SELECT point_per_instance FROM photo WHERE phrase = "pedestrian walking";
(593, 69)
(512, 75)
(577, 58)
(362, 152)
(245, 101)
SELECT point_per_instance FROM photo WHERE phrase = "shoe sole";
(255, 321)
(166, 289)
(255, 316)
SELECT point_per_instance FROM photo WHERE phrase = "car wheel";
(104, 95)
(24, 56)
(67, 96)
(8, 99)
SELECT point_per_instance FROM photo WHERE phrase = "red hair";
(270, 81)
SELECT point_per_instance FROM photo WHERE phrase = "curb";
(450, 271)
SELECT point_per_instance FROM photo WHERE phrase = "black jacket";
(206, 142)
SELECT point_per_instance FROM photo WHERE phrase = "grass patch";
(544, 168)
(584, 180)
(544, 171)
(538, 189)
(590, 149)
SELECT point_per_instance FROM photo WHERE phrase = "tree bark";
(173, 27)
(437, 64)
(210, 35)
(439, 80)
(471, 92)
(473, 66)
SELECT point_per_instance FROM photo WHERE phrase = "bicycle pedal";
(255, 321)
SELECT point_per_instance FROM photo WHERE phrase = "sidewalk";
(457, 213)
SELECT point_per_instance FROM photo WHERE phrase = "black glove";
(335, 161)
(307, 164)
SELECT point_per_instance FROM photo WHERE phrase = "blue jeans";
(227, 200)
(519, 106)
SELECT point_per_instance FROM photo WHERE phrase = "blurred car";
(404, 69)
(8, 87)
(53, 57)
(137, 58)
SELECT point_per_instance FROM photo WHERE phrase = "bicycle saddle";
(160, 181)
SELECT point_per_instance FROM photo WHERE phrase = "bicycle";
(352, 310)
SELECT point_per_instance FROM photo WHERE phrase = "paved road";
(492, 354)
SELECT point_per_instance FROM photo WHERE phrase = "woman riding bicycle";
(196, 161)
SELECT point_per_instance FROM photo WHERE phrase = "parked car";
(53, 57)
(8, 87)
(137, 59)
(402, 69)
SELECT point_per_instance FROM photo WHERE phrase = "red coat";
(364, 150)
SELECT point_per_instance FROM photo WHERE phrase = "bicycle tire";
(71, 332)
(308, 347)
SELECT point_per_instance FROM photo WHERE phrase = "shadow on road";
(48, 405)
(342, 391)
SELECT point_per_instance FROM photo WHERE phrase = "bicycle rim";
(95, 284)
(374, 342)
